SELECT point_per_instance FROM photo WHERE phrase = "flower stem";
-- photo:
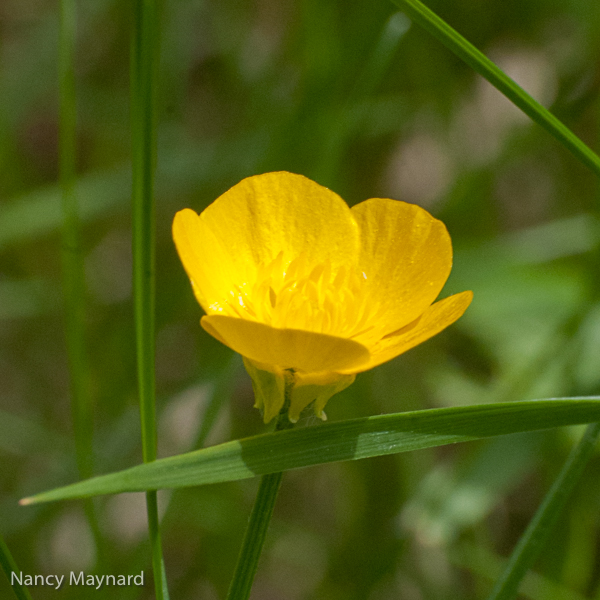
(262, 511)
(255, 537)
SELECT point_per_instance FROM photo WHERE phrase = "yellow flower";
(297, 282)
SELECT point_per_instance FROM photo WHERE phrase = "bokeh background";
(354, 96)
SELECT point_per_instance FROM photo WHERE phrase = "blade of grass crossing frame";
(353, 439)
(9, 566)
(427, 19)
(73, 277)
(144, 59)
(540, 527)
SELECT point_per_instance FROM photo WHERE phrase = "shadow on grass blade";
(347, 440)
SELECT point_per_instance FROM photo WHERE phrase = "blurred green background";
(354, 96)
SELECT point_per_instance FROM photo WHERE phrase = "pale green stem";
(540, 527)
(262, 511)
(144, 60)
(422, 15)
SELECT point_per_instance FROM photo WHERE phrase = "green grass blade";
(347, 440)
(540, 527)
(486, 564)
(143, 150)
(72, 259)
(9, 566)
(105, 193)
(73, 274)
(422, 15)
(144, 61)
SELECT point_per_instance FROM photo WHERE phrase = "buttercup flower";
(297, 282)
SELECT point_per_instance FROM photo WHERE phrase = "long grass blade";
(144, 60)
(9, 566)
(347, 440)
(73, 275)
(431, 22)
(540, 527)
(72, 260)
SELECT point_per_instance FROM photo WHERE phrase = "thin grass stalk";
(143, 155)
(540, 527)
(72, 259)
(260, 518)
(9, 566)
(422, 15)
(144, 61)
(73, 275)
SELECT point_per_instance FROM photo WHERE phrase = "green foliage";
(369, 103)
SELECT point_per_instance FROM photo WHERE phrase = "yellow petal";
(406, 255)
(255, 221)
(197, 248)
(436, 318)
(286, 348)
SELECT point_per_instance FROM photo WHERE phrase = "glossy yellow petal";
(436, 318)
(286, 348)
(255, 222)
(406, 255)
(199, 252)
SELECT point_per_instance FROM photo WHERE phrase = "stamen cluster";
(298, 295)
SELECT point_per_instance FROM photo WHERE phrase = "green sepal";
(268, 386)
(318, 387)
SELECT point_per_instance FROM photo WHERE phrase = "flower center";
(299, 295)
